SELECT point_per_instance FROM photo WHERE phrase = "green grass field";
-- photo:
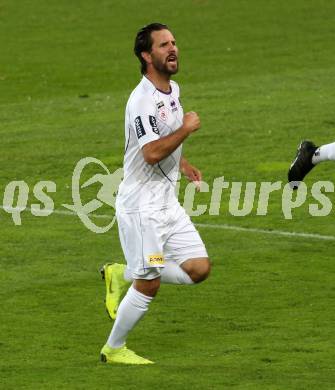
(261, 75)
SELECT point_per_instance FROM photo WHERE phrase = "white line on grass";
(205, 225)
(264, 231)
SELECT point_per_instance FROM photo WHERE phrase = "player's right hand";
(191, 122)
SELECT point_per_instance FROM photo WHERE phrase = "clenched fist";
(191, 122)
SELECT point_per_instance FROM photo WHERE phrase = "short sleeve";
(142, 115)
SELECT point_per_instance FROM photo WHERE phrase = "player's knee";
(154, 286)
(201, 270)
(147, 287)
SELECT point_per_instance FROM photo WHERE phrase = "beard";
(165, 67)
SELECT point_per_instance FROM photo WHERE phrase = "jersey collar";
(152, 87)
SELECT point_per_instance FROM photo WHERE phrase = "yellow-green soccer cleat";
(121, 355)
(116, 286)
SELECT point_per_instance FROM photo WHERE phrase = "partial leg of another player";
(308, 155)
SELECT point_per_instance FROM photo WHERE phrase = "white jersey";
(150, 115)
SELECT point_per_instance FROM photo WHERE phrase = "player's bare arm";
(156, 151)
(189, 171)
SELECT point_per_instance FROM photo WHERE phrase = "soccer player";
(308, 155)
(159, 241)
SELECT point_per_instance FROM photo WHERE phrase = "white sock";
(171, 274)
(132, 308)
(324, 153)
(174, 274)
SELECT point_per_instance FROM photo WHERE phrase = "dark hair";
(143, 41)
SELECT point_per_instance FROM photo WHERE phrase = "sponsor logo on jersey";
(156, 259)
(153, 124)
(160, 104)
(139, 127)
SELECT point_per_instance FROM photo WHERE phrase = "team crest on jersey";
(139, 127)
(153, 124)
(162, 113)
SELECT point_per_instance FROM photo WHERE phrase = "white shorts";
(151, 238)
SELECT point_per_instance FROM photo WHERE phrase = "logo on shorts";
(156, 259)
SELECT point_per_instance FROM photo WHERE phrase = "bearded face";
(167, 66)
(164, 52)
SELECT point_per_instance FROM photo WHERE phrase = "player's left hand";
(191, 173)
